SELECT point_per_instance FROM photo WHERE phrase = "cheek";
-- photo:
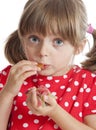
(66, 56)
(69, 55)
(28, 52)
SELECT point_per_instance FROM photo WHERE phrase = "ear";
(81, 46)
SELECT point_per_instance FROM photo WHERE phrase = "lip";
(44, 66)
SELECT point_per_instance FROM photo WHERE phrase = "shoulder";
(5, 70)
(3, 75)
(85, 75)
(83, 72)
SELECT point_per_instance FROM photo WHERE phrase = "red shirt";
(76, 92)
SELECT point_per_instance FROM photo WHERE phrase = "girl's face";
(52, 51)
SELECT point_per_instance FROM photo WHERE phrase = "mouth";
(43, 66)
(40, 65)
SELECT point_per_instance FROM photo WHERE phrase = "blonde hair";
(63, 17)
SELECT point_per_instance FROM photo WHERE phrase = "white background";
(10, 12)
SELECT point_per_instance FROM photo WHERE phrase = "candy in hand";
(41, 91)
(40, 65)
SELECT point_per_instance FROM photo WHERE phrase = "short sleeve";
(90, 96)
(3, 76)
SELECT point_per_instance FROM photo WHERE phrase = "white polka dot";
(66, 104)
(20, 94)
(36, 121)
(76, 83)
(30, 112)
(88, 90)
(81, 90)
(74, 97)
(54, 93)
(68, 90)
(4, 73)
(14, 102)
(84, 76)
(24, 103)
(93, 111)
(1, 85)
(20, 116)
(70, 79)
(40, 127)
(78, 71)
(57, 81)
(49, 78)
(65, 76)
(80, 114)
(47, 85)
(15, 108)
(85, 86)
(11, 123)
(94, 98)
(60, 99)
(25, 125)
(76, 104)
(49, 119)
(93, 75)
(55, 126)
(25, 83)
(40, 79)
(35, 80)
(62, 87)
(86, 104)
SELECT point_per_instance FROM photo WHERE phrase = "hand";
(18, 73)
(41, 102)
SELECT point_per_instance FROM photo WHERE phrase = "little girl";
(42, 89)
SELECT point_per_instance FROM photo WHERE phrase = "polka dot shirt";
(76, 92)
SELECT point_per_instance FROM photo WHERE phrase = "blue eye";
(34, 39)
(58, 42)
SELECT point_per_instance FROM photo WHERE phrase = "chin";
(45, 73)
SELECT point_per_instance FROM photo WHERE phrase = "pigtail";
(90, 63)
(13, 49)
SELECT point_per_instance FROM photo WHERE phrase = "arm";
(90, 120)
(6, 101)
(67, 122)
(18, 73)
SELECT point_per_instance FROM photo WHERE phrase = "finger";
(49, 100)
(33, 97)
(34, 109)
(22, 68)
(25, 75)
(29, 105)
(23, 62)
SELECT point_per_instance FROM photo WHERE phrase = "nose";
(44, 49)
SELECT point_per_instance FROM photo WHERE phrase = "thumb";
(49, 100)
